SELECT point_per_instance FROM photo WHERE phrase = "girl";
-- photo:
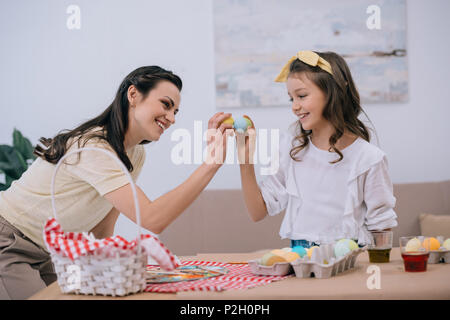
(332, 182)
(91, 188)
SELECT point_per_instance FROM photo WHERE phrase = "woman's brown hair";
(342, 106)
(113, 121)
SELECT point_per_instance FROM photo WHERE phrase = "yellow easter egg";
(413, 245)
(265, 257)
(446, 244)
(291, 256)
(278, 252)
(310, 251)
(431, 244)
(352, 244)
(229, 120)
(274, 259)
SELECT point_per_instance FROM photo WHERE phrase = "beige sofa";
(217, 221)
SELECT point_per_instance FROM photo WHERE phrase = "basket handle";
(133, 187)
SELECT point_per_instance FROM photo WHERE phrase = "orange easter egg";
(431, 244)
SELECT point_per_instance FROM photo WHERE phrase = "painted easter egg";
(431, 244)
(299, 250)
(352, 245)
(413, 245)
(241, 124)
(341, 249)
(291, 256)
(446, 244)
(310, 251)
(229, 120)
(269, 259)
(278, 252)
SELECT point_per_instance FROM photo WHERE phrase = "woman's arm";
(105, 228)
(157, 215)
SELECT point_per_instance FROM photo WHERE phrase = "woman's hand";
(158, 214)
(217, 135)
(246, 143)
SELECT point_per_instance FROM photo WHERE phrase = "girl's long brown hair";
(113, 121)
(342, 106)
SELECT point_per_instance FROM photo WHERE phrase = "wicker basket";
(112, 271)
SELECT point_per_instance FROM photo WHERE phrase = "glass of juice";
(414, 253)
(380, 248)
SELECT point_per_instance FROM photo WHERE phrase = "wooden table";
(395, 283)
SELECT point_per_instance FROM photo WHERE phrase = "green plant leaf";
(23, 145)
(5, 181)
(11, 162)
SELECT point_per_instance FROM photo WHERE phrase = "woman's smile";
(161, 126)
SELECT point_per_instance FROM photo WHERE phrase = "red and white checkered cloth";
(75, 244)
(238, 277)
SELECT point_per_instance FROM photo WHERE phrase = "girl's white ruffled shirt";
(325, 202)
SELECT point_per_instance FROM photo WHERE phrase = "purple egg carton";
(324, 264)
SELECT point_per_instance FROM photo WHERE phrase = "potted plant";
(15, 159)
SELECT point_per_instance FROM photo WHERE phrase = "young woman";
(91, 189)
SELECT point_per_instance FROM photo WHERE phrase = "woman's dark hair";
(342, 106)
(113, 121)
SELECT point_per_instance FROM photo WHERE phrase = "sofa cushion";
(435, 225)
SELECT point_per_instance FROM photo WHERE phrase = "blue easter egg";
(299, 250)
(240, 124)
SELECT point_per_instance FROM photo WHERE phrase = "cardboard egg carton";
(437, 256)
(442, 254)
(323, 264)
(278, 269)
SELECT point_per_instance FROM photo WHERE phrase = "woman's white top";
(326, 202)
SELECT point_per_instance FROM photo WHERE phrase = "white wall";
(52, 78)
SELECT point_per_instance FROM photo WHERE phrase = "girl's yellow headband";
(309, 57)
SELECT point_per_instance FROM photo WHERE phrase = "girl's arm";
(379, 198)
(254, 201)
(157, 215)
